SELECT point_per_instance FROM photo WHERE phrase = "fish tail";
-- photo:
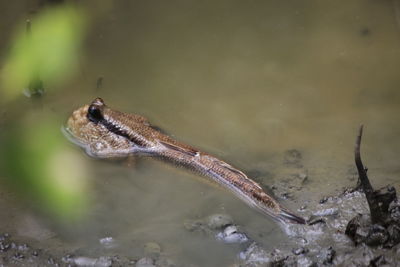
(289, 217)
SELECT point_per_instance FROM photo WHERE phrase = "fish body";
(107, 133)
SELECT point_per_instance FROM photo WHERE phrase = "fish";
(108, 134)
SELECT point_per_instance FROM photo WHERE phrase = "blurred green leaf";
(49, 53)
(37, 160)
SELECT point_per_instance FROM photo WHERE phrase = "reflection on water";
(243, 81)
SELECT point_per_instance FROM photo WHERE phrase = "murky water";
(245, 81)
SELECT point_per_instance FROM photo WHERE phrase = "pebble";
(18, 256)
(323, 200)
(164, 262)
(377, 235)
(394, 209)
(4, 246)
(23, 247)
(108, 242)
(328, 255)
(231, 235)
(305, 261)
(299, 251)
(95, 262)
(152, 250)
(327, 212)
(219, 221)
(145, 262)
(4, 236)
(254, 254)
(394, 235)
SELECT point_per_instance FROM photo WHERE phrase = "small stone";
(84, 261)
(103, 262)
(327, 212)
(23, 247)
(95, 262)
(67, 258)
(164, 262)
(379, 261)
(287, 195)
(278, 259)
(377, 235)
(299, 251)
(394, 209)
(219, 221)
(108, 242)
(328, 255)
(323, 200)
(152, 250)
(145, 262)
(4, 237)
(231, 235)
(254, 254)
(4, 246)
(18, 256)
(394, 235)
(357, 228)
(305, 261)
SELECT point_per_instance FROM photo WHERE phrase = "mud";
(324, 241)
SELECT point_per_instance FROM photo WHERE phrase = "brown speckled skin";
(120, 134)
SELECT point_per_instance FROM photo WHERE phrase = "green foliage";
(47, 52)
(39, 163)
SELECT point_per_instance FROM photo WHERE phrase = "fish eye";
(94, 114)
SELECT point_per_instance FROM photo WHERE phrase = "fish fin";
(185, 150)
(236, 171)
(289, 217)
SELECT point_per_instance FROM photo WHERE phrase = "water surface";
(245, 81)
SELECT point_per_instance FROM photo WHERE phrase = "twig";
(376, 214)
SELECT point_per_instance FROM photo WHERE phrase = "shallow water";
(243, 81)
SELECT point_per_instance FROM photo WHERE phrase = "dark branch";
(377, 216)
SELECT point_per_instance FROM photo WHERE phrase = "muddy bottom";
(321, 243)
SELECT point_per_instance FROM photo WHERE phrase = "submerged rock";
(108, 242)
(327, 255)
(231, 234)
(164, 262)
(145, 262)
(96, 262)
(361, 230)
(152, 250)
(394, 235)
(299, 251)
(255, 254)
(377, 235)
